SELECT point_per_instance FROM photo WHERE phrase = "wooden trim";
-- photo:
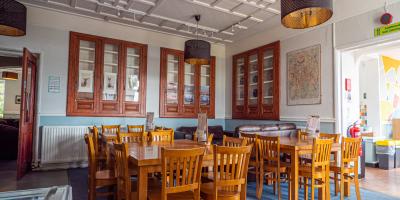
(95, 105)
(261, 111)
(180, 110)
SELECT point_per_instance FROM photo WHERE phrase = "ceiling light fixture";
(301, 14)
(197, 52)
(12, 18)
(9, 76)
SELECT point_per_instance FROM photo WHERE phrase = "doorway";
(17, 109)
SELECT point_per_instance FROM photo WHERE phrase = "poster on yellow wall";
(390, 90)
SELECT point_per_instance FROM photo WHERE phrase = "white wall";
(48, 34)
(12, 88)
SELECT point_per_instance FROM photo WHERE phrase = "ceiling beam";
(263, 7)
(152, 9)
(129, 4)
(99, 8)
(236, 7)
(223, 10)
(216, 2)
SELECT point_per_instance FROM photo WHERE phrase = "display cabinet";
(106, 77)
(255, 83)
(185, 89)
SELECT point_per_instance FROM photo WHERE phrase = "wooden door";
(206, 91)
(253, 85)
(238, 86)
(27, 113)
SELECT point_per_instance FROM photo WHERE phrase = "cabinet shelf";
(133, 55)
(268, 57)
(86, 61)
(269, 68)
(87, 48)
(111, 52)
(271, 81)
(111, 64)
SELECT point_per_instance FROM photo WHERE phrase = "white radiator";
(62, 146)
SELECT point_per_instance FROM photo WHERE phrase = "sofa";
(9, 139)
(283, 129)
(186, 132)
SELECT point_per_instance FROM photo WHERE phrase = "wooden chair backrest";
(321, 152)
(135, 128)
(302, 135)
(114, 129)
(92, 168)
(350, 150)
(230, 167)
(95, 134)
(210, 138)
(122, 171)
(181, 170)
(334, 136)
(130, 137)
(268, 149)
(233, 142)
(250, 139)
(162, 136)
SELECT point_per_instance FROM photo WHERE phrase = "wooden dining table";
(147, 158)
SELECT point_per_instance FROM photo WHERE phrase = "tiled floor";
(8, 176)
(384, 181)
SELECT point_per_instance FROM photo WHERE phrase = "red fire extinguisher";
(354, 133)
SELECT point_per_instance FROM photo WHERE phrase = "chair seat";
(105, 174)
(175, 196)
(305, 171)
(208, 188)
(334, 167)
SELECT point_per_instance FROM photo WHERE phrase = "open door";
(27, 113)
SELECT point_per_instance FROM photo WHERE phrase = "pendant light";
(197, 52)
(301, 14)
(12, 18)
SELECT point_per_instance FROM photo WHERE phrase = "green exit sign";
(384, 30)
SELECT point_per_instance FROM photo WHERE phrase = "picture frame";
(85, 81)
(110, 83)
(17, 99)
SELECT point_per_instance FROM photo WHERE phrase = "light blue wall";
(90, 121)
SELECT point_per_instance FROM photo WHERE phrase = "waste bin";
(397, 154)
(385, 151)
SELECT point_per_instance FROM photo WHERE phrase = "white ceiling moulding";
(125, 21)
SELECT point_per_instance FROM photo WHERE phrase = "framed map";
(304, 76)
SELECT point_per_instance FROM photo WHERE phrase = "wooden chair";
(270, 166)
(318, 171)
(130, 137)
(181, 170)
(230, 173)
(162, 136)
(334, 160)
(233, 142)
(302, 135)
(251, 140)
(135, 128)
(101, 155)
(348, 165)
(97, 178)
(113, 129)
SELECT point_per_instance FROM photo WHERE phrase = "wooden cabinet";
(185, 89)
(106, 77)
(255, 83)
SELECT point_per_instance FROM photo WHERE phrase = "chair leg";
(274, 182)
(260, 185)
(312, 189)
(306, 189)
(342, 186)
(279, 183)
(336, 183)
(357, 185)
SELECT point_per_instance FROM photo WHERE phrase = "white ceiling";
(222, 21)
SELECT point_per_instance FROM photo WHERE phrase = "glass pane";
(189, 84)
(28, 93)
(253, 80)
(172, 79)
(87, 54)
(110, 72)
(132, 75)
(205, 85)
(268, 76)
(2, 88)
(240, 84)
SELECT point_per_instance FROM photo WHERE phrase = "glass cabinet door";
(268, 76)
(86, 70)
(253, 80)
(132, 79)
(205, 82)
(189, 79)
(240, 69)
(110, 72)
(172, 79)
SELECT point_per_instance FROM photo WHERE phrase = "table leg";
(294, 175)
(142, 183)
(328, 184)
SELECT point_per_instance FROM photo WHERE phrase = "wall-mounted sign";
(384, 30)
(54, 84)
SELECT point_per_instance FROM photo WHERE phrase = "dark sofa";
(284, 129)
(186, 132)
(9, 139)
